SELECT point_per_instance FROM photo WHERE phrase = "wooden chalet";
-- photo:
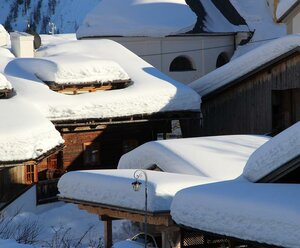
(19, 175)
(16, 177)
(264, 100)
(100, 143)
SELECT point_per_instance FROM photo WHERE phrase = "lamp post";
(136, 187)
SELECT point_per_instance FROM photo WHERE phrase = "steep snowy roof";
(159, 18)
(244, 64)
(219, 157)
(284, 6)
(151, 92)
(267, 213)
(113, 187)
(274, 153)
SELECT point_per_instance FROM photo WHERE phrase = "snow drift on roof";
(273, 154)
(151, 92)
(220, 157)
(283, 7)
(113, 187)
(137, 18)
(74, 69)
(245, 64)
(4, 83)
(24, 133)
(154, 18)
(267, 213)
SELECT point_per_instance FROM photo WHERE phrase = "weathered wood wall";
(11, 182)
(110, 142)
(246, 107)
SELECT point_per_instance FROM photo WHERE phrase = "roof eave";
(247, 75)
(13, 163)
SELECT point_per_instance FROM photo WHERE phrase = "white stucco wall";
(160, 52)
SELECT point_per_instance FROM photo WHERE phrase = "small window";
(222, 60)
(181, 63)
(91, 154)
(29, 173)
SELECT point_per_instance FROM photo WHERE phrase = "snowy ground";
(58, 223)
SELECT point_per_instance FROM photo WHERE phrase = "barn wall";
(11, 182)
(247, 106)
(109, 143)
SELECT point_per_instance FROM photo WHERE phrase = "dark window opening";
(182, 63)
(222, 60)
(29, 173)
(285, 109)
(91, 154)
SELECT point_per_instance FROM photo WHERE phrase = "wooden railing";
(46, 191)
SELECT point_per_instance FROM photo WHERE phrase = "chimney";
(22, 44)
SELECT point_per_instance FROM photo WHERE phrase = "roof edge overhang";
(281, 171)
(137, 118)
(13, 163)
(288, 12)
(105, 211)
(159, 37)
(249, 74)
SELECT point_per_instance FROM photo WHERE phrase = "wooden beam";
(107, 233)
(153, 219)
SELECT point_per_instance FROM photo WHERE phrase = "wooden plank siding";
(109, 143)
(246, 106)
(12, 181)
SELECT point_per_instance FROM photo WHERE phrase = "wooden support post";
(107, 233)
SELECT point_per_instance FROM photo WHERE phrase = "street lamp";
(136, 185)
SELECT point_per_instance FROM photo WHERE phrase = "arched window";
(222, 60)
(181, 63)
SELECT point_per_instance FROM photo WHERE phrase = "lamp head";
(136, 185)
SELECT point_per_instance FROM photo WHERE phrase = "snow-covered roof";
(25, 133)
(151, 91)
(267, 213)
(113, 187)
(158, 18)
(259, 19)
(244, 64)
(4, 83)
(74, 69)
(219, 157)
(284, 7)
(274, 153)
